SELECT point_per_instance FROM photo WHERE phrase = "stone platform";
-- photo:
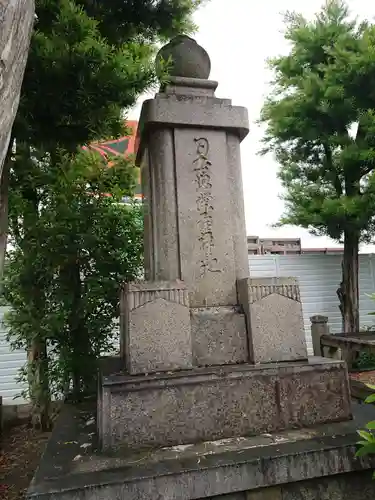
(175, 408)
(304, 464)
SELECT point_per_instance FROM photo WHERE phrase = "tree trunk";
(4, 192)
(37, 356)
(16, 21)
(71, 279)
(37, 362)
(349, 287)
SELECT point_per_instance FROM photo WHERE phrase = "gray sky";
(240, 35)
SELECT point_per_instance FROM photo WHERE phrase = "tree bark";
(350, 287)
(4, 195)
(16, 21)
(37, 362)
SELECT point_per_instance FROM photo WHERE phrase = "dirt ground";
(20, 450)
(365, 377)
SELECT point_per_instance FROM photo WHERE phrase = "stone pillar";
(319, 327)
(189, 154)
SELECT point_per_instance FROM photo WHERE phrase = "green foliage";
(323, 87)
(320, 127)
(88, 62)
(72, 245)
(82, 246)
(365, 361)
(367, 443)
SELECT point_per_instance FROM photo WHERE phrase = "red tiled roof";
(125, 145)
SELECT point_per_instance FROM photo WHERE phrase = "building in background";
(125, 145)
(283, 246)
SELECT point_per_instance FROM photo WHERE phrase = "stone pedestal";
(223, 402)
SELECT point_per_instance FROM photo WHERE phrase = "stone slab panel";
(191, 412)
(313, 396)
(219, 336)
(235, 192)
(205, 215)
(160, 184)
(274, 317)
(155, 321)
(221, 402)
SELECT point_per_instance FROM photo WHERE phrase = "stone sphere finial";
(189, 60)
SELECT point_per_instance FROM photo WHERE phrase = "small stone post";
(319, 327)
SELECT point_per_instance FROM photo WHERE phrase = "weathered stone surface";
(355, 486)
(16, 20)
(265, 494)
(161, 230)
(219, 336)
(187, 58)
(155, 327)
(234, 496)
(221, 402)
(183, 86)
(191, 111)
(236, 200)
(206, 244)
(190, 410)
(274, 319)
(298, 461)
(193, 229)
(311, 396)
(319, 327)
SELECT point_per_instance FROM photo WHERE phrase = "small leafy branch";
(367, 443)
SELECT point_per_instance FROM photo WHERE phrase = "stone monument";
(200, 339)
(213, 393)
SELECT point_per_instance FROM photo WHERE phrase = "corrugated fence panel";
(10, 363)
(366, 288)
(319, 277)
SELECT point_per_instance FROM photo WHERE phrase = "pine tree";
(321, 129)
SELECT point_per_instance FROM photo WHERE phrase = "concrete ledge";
(71, 471)
(14, 414)
(220, 402)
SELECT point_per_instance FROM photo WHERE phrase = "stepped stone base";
(220, 402)
(305, 464)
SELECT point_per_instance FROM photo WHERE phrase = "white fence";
(10, 363)
(319, 277)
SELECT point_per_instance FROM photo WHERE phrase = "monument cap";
(189, 60)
